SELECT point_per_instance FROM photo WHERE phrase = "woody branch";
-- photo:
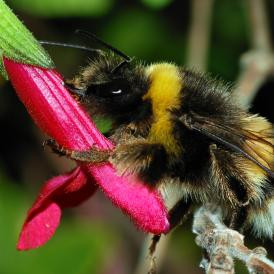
(223, 245)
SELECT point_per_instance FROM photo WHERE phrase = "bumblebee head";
(111, 85)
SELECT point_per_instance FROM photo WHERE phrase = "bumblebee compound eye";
(112, 89)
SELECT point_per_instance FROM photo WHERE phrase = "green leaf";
(64, 8)
(17, 42)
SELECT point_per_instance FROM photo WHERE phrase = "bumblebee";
(184, 133)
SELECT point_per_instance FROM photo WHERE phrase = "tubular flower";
(58, 114)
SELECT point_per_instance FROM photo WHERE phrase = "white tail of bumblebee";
(262, 221)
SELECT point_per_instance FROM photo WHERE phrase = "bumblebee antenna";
(66, 45)
(106, 45)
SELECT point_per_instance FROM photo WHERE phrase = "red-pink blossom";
(58, 114)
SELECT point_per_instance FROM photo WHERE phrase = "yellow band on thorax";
(164, 93)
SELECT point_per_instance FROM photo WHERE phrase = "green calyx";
(17, 42)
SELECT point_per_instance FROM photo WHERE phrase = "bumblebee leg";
(93, 155)
(153, 245)
(238, 219)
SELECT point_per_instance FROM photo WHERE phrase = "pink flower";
(56, 112)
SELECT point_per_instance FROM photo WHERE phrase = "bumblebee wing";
(260, 146)
(255, 143)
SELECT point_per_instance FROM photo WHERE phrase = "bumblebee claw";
(55, 147)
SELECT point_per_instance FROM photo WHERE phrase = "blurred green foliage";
(229, 38)
(156, 3)
(54, 8)
(103, 125)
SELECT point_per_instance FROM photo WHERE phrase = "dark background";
(96, 237)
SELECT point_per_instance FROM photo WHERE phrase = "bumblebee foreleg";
(93, 155)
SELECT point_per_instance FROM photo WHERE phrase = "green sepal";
(18, 43)
(2, 69)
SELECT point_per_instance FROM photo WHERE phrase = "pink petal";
(44, 216)
(142, 204)
(78, 189)
(41, 228)
(52, 107)
(57, 113)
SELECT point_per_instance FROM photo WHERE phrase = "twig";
(223, 245)
(258, 63)
(199, 34)
(260, 32)
(256, 68)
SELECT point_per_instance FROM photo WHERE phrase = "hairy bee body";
(183, 132)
